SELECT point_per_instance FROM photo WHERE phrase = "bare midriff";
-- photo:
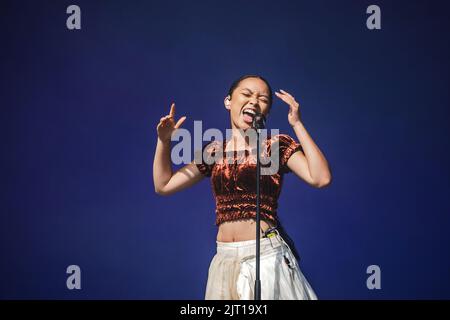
(241, 230)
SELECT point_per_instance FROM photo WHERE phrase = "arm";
(166, 182)
(310, 165)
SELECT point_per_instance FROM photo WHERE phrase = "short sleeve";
(287, 147)
(205, 160)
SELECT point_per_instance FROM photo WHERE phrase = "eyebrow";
(262, 95)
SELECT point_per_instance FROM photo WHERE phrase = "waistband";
(271, 240)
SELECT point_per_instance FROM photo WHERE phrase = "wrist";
(165, 141)
(296, 124)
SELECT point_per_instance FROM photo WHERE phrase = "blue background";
(78, 131)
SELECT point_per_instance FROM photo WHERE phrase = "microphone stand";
(258, 124)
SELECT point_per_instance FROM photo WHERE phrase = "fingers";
(287, 97)
(169, 119)
(172, 110)
(164, 121)
(180, 122)
(170, 115)
(283, 97)
(284, 94)
(287, 93)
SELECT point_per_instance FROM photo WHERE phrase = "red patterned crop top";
(234, 182)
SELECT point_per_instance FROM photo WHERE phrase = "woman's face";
(250, 96)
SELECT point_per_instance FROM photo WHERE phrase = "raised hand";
(167, 125)
(294, 107)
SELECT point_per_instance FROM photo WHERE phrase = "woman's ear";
(227, 102)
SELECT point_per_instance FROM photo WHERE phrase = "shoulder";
(213, 146)
(286, 146)
(205, 159)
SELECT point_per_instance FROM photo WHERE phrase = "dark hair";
(236, 83)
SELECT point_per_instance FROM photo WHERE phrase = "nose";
(253, 101)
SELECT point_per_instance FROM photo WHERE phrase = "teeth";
(250, 111)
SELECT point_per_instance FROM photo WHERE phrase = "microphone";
(259, 121)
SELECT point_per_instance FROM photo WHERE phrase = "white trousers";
(231, 275)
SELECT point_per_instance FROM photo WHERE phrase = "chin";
(244, 126)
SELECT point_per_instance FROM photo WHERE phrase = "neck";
(239, 139)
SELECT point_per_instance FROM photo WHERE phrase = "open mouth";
(248, 115)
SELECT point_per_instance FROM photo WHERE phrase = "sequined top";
(233, 177)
